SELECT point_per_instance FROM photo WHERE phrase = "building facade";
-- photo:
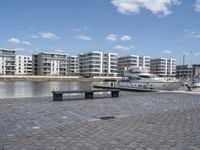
(48, 63)
(7, 61)
(187, 71)
(132, 61)
(96, 63)
(145, 61)
(163, 67)
(23, 65)
(127, 61)
(72, 65)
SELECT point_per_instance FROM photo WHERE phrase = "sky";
(155, 28)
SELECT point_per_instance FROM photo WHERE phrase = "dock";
(125, 88)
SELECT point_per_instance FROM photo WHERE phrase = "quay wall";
(52, 78)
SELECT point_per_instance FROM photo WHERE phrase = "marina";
(141, 78)
(16, 89)
(100, 75)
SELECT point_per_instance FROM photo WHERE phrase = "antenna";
(191, 65)
(183, 59)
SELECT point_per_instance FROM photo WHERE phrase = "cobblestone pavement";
(143, 121)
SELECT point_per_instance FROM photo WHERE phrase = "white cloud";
(196, 35)
(84, 38)
(167, 51)
(112, 37)
(155, 6)
(192, 34)
(17, 41)
(14, 40)
(120, 47)
(45, 35)
(197, 5)
(26, 42)
(49, 35)
(126, 38)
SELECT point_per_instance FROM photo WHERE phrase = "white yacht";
(193, 83)
(139, 77)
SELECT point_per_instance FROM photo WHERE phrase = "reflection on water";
(33, 89)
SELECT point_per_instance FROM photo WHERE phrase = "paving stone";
(143, 121)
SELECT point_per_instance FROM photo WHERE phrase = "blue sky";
(156, 28)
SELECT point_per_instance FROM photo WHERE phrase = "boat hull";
(193, 86)
(169, 86)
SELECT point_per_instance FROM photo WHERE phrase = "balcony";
(7, 55)
(62, 71)
(9, 64)
(46, 67)
(46, 70)
(10, 70)
(62, 67)
(46, 61)
(10, 60)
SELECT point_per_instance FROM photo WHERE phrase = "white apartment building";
(163, 67)
(23, 65)
(145, 61)
(127, 61)
(132, 61)
(72, 65)
(7, 61)
(96, 63)
(49, 63)
(187, 71)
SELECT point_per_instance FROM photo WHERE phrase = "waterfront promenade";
(52, 78)
(143, 121)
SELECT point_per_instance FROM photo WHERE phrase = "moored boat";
(193, 83)
(139, 77)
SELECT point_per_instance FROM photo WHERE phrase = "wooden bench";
(89, 94)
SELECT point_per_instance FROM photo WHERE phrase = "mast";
(191, 64)
(183, 59)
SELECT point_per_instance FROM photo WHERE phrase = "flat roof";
(8, 49)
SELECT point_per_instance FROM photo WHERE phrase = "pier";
(133, 89)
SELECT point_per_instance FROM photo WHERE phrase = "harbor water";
(37, 89)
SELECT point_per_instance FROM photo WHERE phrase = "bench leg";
(57, 97)
(89, 95)
(114, 93)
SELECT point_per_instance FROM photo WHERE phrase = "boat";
(193, 83)
(140, 77)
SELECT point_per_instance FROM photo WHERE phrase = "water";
(35, 89)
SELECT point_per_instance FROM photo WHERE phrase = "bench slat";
(83, 91)
(58, 95)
